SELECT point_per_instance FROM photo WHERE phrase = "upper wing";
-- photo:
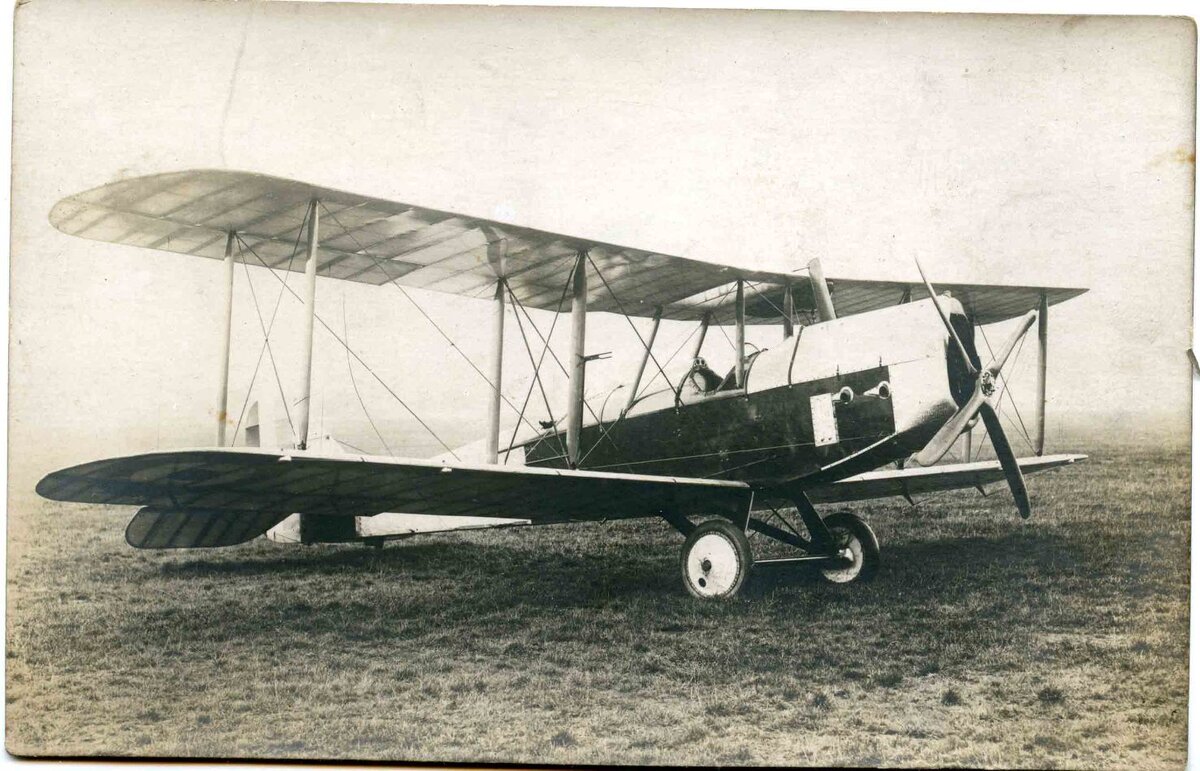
(909, 481)
(984, 303)
(374, 241)
(245, 480)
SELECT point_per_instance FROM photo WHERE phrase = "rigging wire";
(605, 433)
(775, 513)
(391, 280)
(722, 298)
(355, 447)
(270, 355)
(1005, 389)
(353, 353)
(790, 445)
(546, 339)
(670, 358)
(268, 329)
(354, 381)
(725, 335)
(754, 287)
(774, 456)
(621, 307)
(537, 380)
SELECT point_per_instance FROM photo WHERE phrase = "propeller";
(980, 405)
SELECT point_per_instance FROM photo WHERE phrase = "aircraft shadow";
(958, 565)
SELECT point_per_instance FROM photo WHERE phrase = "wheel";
(715, 560)
(859, 546)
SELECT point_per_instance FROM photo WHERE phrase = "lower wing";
(201, 498)
(225, 496)
(910, 481)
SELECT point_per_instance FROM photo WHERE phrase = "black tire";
(853, 533)
(715, 560)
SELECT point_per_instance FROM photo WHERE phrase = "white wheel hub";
(713, 566)
(850, 556)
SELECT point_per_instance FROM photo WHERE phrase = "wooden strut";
(492, 454)
(1043, 337)
(579, 292)
(678, 521)
(740, 314)
(779, 534)
(821, 537)
(789, 312)
(310, 311)
(641, 370)
(517, 306)
(226, 339)
(821, 296)
(700, 340)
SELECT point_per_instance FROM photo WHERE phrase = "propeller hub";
(987, 383)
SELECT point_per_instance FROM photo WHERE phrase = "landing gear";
(715, 560)
(716, 556)
(858, 558)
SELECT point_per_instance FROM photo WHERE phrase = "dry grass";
(984, 641)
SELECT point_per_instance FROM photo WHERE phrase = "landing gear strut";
(717, 558)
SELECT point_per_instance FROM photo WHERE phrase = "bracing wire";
(537, 379)
(546, 348)
(546, 341)
(725, 335)
(353, 353)
(267, 329)
(718, 453)
(621, 307)
(1004, 389)
(753, 286)
(354, 381)
(391, 280)
(270, 355)
(670, 358)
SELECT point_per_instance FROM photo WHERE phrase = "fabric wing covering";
(254, 482)
(374, 241)
(153, 528)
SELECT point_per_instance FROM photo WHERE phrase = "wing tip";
(49, 486)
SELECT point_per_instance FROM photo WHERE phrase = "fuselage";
(835, 399)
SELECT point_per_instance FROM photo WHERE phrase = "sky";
(1027, 150)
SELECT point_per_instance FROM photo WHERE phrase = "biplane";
(871, 385)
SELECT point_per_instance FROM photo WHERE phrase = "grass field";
(984, 641)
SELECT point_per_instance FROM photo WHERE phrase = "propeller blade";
(998, 362)
(948, 434)
(962, 349)
(1008, 461)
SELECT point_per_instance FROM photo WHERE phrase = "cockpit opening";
(702, 382)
